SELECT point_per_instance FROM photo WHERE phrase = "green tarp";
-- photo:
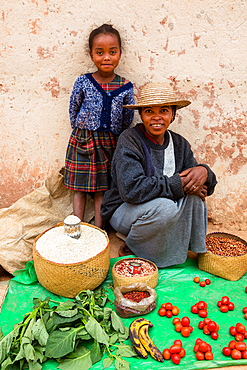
(175, 285)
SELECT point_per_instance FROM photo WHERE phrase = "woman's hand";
(193, 180)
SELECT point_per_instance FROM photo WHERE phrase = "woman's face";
(156, 120)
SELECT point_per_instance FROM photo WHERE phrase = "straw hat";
(158, 94)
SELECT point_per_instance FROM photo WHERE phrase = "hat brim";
(179, 104)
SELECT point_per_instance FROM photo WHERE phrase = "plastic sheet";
(175, 285)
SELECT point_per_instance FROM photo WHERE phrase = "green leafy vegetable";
(58, 330)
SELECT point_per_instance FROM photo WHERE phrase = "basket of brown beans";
(226, 256)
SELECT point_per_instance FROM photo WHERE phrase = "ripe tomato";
(206, 330)
(209, 348)
(196, 347)
(175, 348)
(162, 311)
(203, 313)
(190, 327)
(196, 279)
(185, 331)
(175, 310)
(217, 327)
(203, 346)
(219, 304)
(244, 354)
(194, 309)
(245, 335)
(227, 351)
(225, 300)
(169, 306)
(209, 356)
(241, 346)
(175, 320)
(182, 353)
(212, 326)
(202, 284)
(201, 324)
(178, 341)
(202, 305)
(214, 335)
(245, 315)
(199, 356)
(163, 305)
(232, 344)
(246, 289)
(239, 337)
(208, 281)
(224, 308)
(185, 321)
(178, 326)
(240, 328)
(166, 354)
(233, 330)
(244, 309)
(231, 306)
(175, 358)
(198, 340)
(168, 314)
(236, 355)
(207, 320)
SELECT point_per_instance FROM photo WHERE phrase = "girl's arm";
(76, 99)
(128, 114)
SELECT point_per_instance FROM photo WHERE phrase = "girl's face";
(105, 53)
(156, 120)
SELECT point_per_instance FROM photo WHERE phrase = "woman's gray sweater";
(137, 175)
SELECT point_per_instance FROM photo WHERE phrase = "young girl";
(97, 118)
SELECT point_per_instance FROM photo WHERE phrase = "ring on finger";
(194, 186)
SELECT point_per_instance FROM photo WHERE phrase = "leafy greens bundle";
(76, 333)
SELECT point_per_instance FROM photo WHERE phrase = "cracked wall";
(198, 47)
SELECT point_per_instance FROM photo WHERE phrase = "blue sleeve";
(76, 99)
(128, 114)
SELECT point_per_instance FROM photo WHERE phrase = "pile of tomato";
(175, 352)
(237, 348)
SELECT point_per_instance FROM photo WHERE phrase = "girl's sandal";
(124, 250)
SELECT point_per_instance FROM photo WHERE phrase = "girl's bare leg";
(79, 204)
(98, 197)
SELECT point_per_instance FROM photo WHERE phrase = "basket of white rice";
(66, 265)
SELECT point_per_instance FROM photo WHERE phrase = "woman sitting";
(158, 190)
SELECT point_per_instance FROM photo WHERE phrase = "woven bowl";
(120, 280)
(229, 268)
(68, 280)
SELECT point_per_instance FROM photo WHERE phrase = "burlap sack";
(32, 214)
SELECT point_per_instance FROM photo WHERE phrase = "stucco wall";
(198, 46)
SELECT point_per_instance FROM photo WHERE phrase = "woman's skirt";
(88, 160)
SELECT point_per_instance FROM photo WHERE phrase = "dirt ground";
(115, 241)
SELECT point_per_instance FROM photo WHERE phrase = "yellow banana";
(148, 344)
(134, 337)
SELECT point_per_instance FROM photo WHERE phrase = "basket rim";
(218, 233)
(230, 236)
(134, 258)
(74, 263)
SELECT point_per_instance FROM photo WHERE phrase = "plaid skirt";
(88, 160)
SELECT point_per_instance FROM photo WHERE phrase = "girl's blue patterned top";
(93, 109)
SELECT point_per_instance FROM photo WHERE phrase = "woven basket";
(151, 280)
(68, 280)
(229, 268)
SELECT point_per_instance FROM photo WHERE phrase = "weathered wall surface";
(198, 46)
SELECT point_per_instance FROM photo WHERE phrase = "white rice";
(72, 220)
(58, 247)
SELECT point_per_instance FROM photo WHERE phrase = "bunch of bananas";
(142, 343)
